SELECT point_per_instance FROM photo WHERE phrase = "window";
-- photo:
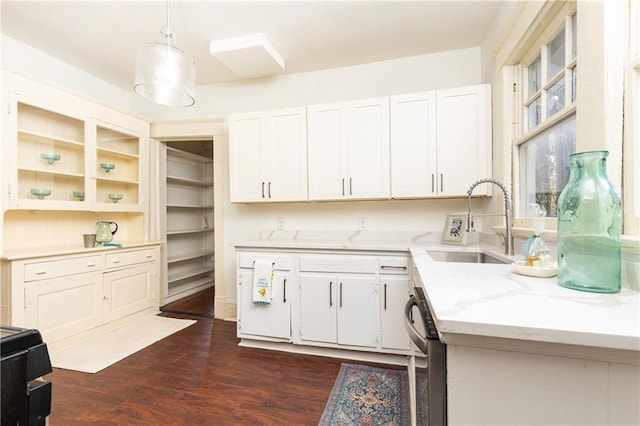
(548, 135)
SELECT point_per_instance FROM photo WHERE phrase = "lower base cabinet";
(54, 295)
(273, 320)
(343, 301)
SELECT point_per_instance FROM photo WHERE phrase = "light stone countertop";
(491, 301)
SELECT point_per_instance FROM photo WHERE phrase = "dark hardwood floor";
(199, 304)
(197, 376)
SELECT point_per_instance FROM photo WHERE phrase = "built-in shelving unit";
(189, 228)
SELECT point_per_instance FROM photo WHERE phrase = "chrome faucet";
(508, 238)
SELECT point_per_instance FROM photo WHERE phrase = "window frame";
(561, 22)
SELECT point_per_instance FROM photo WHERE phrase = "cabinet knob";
(116, 261)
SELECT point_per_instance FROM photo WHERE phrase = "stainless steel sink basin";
(464, 257)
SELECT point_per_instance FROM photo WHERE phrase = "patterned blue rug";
(364, 395)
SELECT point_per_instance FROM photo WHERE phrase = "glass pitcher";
(104, 232)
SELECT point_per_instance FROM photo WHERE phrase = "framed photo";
(455, 228)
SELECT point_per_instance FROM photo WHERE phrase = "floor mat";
(98, 352)
(364, 395)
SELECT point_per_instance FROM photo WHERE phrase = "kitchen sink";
(465, 257)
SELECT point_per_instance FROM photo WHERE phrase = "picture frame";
(455, 229)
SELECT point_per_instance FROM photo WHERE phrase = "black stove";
(26, 397)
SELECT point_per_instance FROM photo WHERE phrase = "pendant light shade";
(165, 74)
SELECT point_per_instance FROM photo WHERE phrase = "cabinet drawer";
(394, 265)
(281, 262)
(61, 267)
(130, 257)
(339, 263)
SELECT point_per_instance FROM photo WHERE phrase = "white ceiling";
(102, 37)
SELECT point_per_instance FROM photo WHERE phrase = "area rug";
(364, 395)
(98, 352)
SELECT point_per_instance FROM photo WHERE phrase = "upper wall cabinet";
(61, 159)
(440, 142)
(268, 156)
(349, 150)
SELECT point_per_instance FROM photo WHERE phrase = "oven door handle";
(421, 342)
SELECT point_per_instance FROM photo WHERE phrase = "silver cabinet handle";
(441, 182)
(341, 295)
(385, 296)
(284, 291)
(90, 265)
(269, 190)
(116, 261)
(330, 293)
(350, 186)
(41, 272)
(404, 268)
(343, 186)
(433, 179)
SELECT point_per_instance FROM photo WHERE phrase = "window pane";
(555, 55)
(533, 75)
(544, 165)
(534, 113)
(574, 36)
(555, 97)
(574, 84)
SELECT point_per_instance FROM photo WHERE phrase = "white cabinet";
(413, 145)
(440, 142)
(464, 139)
(348, 147)
(63, 307)
(339, 308)
(65, 159)
(130, 290)
(351, 301)
(272, 320)
(394, 292)
(189, 219)
(63, 296)
(268, 156)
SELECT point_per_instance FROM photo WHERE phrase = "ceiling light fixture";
(164, 73)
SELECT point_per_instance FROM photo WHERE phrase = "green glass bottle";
(589, 227)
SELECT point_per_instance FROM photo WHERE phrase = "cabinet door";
(130, 290)
(394, 293)
(247, 160)
(368, 149)
(273, 320)
(357, 311)
(287, 172)
(326, 132)
(46, 156)
(464, 139)
(66, 306)
(318, 296)
(413, 145)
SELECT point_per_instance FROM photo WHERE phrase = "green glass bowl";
(40, 193)
(107, 167)
(51, 157)
(115, 197)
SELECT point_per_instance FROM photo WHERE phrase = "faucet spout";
(508, 238)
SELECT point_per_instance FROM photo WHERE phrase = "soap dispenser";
(537, 250)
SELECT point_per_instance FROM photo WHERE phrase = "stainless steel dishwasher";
(431, 383)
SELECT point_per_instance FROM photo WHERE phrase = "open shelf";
(189, 218)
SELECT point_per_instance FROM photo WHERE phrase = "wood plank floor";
(198, 304)
(198, 376)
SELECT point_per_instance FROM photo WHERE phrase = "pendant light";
(165, 74)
